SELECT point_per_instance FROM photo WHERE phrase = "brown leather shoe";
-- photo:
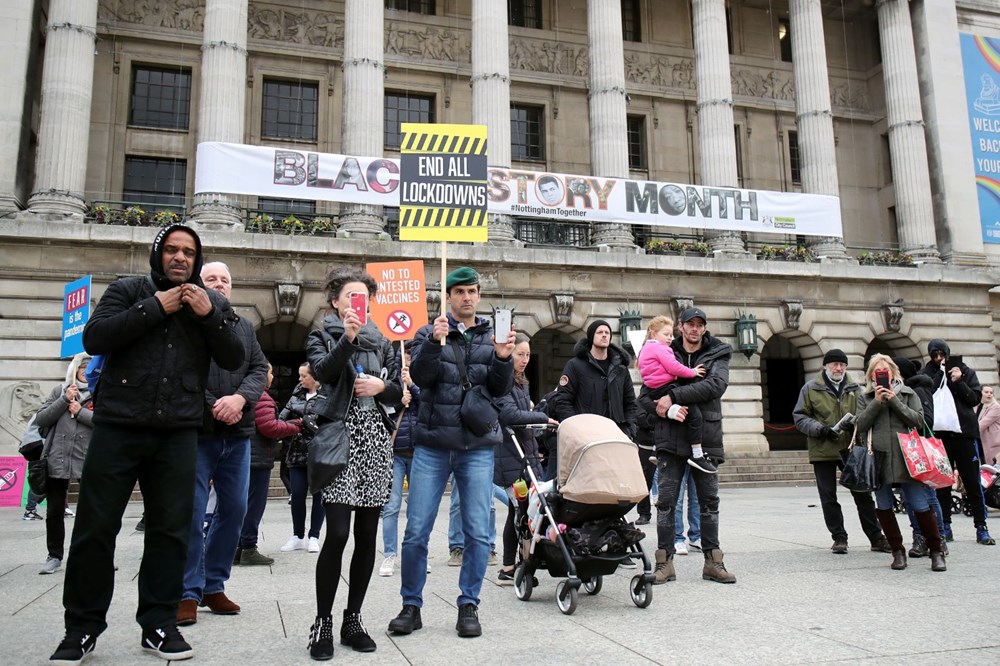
(187, 612)
(220, 604)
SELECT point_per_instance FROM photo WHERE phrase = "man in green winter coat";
(822, 403)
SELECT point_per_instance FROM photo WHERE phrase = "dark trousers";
(671, 469)
(55, 516)
(300, 491)
(163, 462)
(510, 536)
(965, 458)
(260, 482)
(648, 470)
(826, 483)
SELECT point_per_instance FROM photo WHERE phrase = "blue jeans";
(454, 519)
(933, 503)
(390, 512)
(913, 494)
(225, 461)
(299, 478)
(694, 509)
(260, 482)
(473, 471)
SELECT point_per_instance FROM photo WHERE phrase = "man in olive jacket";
(158, 334)
(822, 403)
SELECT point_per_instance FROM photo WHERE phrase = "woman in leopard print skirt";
(357, 364)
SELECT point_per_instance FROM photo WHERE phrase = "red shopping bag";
(926, 460)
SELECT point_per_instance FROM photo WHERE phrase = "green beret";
(463, 275)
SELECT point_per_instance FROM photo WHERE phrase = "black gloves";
(829, 433)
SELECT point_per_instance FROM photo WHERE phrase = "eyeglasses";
(937, 354)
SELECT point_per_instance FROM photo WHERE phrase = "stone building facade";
(107, 99)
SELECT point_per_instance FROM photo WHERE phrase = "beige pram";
(575, 528)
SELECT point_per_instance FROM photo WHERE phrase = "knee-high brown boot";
(887, 519)
(928, 525)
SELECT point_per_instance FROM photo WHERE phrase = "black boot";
(354, 634)
(321, 639)
(887, 519)
(919, 546)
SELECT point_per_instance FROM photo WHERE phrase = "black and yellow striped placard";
(442, 177)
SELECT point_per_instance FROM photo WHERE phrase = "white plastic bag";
(945, 414)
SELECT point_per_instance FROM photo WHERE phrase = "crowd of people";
(181, 406)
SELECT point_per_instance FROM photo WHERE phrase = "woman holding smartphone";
(358, 366)
(886, 408)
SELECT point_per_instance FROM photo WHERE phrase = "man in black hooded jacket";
(966, 393)
(158, 334)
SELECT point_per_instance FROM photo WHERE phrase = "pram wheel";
(593, 586)
(957, 505)
(566, 597)
(642, 591)
(523, 583)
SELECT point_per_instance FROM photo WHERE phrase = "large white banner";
(297, 174)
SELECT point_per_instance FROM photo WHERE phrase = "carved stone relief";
(532, 55)
(18, 403)
(893, 314)
(176, 14)
(297, 26)
(429, 42)
(792, 311)
(562, 306)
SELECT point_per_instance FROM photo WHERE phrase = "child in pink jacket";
(660, 368)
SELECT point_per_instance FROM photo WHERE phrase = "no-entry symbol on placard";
(400, 322)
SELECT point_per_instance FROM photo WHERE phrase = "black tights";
(509, 537)
(328, 566)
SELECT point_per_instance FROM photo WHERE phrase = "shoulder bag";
(859, 473)
(479, 412)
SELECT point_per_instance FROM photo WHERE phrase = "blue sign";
(981, 63)
(76, 312)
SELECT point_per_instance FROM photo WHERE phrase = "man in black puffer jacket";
(966, 393)
(158, 335)
(223, 462)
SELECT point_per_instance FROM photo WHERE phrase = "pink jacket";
(658, 365)
(989, 431)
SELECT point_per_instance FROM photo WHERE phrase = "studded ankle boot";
(354, 635)
(321, 639)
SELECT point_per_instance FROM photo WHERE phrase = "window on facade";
(738, 133)
(527, 133)
(637, 142)
(785, 39)
(160, 97)
(154, 182)
(887, 176)
(291, 110)
(631, 21)
(391, 215)
(405, 108)
(282, 208)
(794, 161)
(729, 28)
(525, 13)
(415, 6)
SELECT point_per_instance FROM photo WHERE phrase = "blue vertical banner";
(981, 65)
(76, 312)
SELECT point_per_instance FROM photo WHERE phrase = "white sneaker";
(313, 545)
(388, 566)
(293, 543)
(69, 512)
(680, 548)
(428, 566)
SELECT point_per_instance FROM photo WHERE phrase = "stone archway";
(787, 360)
(551, 348)
(893, 344)
(284, 346)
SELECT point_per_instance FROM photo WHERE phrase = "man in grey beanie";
(822, 403)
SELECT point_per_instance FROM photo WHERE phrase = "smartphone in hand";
(501, 325)
(359, 303)
(882, 378)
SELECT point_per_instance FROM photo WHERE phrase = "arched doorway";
(550, 350)
(284, 346)
(892, 344)
(781, 376)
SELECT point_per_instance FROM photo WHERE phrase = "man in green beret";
(445, 445)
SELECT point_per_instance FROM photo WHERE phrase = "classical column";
(813, 113)
(64, 124)
(17, 81)
(716, 141)
(364, 105)
(491, 93)
(953, 180)
(608, 126)
(911, 176)
(223, 100)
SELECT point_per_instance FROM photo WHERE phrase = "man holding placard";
(452, 357)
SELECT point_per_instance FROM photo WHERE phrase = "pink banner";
(12, 473)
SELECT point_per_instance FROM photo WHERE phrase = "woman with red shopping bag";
(886, 408)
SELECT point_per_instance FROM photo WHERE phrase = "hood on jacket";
(937, 344)
(156, 257)
(74, 366)
(582, 350)
(920, 381)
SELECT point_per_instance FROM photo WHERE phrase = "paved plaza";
(794, 602)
